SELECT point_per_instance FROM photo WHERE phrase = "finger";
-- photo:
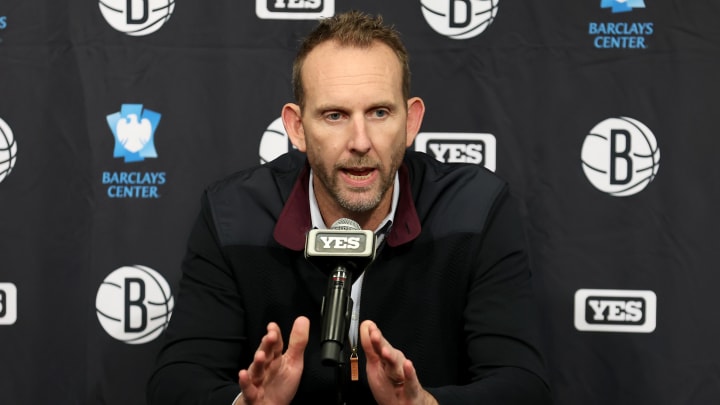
(365, 330)
(273, 341)
(299, 336)
(270, 348)
(256, 371)
(246, 386)
(388, 354)
(383, 352)
(392, 360)
(412, 383)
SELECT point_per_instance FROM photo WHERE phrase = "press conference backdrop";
(602, 115)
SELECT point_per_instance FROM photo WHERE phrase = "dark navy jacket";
(451, 288)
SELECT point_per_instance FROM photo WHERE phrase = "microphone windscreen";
(345, 224)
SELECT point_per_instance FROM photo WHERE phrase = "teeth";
(358, 177)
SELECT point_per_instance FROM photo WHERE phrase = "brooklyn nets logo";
(274, 142)
(620, 156)
(8, 150)
(137, 17)
(459, 19)
(134, 304)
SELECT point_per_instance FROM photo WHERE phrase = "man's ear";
(292, 120)
(415, 113)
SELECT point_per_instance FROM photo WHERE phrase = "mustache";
(364, 162)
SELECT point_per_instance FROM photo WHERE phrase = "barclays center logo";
(133, 128)
(3, 25)
(621, 34)
(136, 17)
(622, 6)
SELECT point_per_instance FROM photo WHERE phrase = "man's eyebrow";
(328, 107)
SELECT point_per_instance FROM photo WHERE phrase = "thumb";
(299, 336)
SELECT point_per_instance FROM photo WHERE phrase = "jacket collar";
(294, 221)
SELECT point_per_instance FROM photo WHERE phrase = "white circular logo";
(134, 304)
(8, 150)
(459, 19)
(137, 17)
(274, 142)
(620, 156)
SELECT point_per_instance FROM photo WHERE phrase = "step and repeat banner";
(602, 115)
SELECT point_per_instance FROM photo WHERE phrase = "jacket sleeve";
(501, 320)
(200, 358)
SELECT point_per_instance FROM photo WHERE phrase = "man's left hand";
(391, 376)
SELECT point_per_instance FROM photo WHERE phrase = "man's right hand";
(273, 377)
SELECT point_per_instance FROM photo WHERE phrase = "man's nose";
(359, 138)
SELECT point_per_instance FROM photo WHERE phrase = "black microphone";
(341, 250)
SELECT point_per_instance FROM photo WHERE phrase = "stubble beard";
(353, 200)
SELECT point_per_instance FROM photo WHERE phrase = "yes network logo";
(622, 6)
(134, 131)
(455, 147)
(294, 9)
(8, 303)
(632, 311)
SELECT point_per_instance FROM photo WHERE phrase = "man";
(446, 306)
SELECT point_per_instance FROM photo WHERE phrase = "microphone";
(341, 250)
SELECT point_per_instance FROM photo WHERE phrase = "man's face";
(354, 124)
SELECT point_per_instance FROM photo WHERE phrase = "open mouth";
(361, 173)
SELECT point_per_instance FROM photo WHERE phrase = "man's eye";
(380, 113)
(333, 116)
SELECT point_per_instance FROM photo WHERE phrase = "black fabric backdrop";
(86, 276)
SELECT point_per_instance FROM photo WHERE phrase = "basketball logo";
(274, 142)
(459, 19)
(136, 17)
(8, 150)
(620, 156)
(134, 304)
